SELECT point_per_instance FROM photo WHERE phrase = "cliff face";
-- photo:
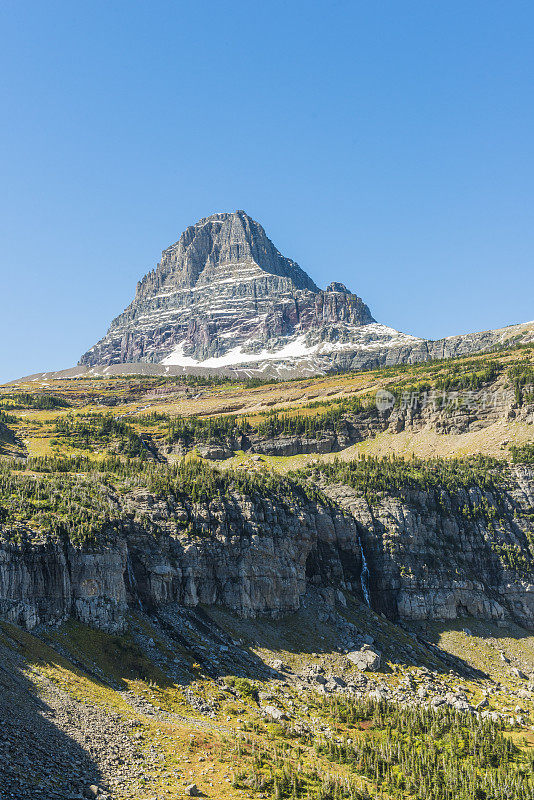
(493, 402)
(430, 554)
(50, 582)
(442, 555)
(249, 555)
(224, 298)
(223, 286)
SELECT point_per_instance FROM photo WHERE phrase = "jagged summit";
(222, 247)
(335, 286)
(223, 294)
(223, 298)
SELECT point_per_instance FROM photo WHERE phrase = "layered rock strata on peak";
(224, 293)
(223, 299)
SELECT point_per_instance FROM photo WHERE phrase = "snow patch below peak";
(293, 349)
(364, 337)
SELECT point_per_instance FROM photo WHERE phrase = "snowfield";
(365, 337)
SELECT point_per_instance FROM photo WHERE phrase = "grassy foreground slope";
(136, 731)
(262, 708)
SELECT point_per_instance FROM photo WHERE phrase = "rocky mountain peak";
(222, 247)
(223, 294)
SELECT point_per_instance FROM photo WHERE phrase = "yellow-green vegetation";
(27, 400)
(522, 379)
(128, 415)
(141, 416)
(523, 454)
(43, 661)
(82, 500)
(374, 476)
(79, 500)
(414, 752)
(74, 452)
(325, 748)
(116, 657)
(99, 431)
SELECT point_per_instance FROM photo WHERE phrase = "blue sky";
(388, 145)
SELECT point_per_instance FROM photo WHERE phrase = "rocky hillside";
(223, 299)
(333, 701)
(119, 500)
(236, 589)
(204, 633)
(413, 540)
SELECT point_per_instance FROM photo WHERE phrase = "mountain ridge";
(488, 340)
(223, 297)
(222, 287)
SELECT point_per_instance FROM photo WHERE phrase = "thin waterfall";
(364, 576)
(131, 580)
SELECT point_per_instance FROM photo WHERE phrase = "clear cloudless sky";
(387, 145)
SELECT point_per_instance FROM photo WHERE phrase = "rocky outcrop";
(224, 299)
(441, 555)
(249, 555)
(462, 412)
(224, 286)
(429, 554)
(49, 582)
(252, 556)
(365, 659)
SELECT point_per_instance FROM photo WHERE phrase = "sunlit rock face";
(429, 553)
(224, 295)
(224, 299)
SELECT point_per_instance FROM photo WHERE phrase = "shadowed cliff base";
(42, 754)
(176, 698)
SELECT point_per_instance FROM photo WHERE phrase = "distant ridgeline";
(223, 299)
